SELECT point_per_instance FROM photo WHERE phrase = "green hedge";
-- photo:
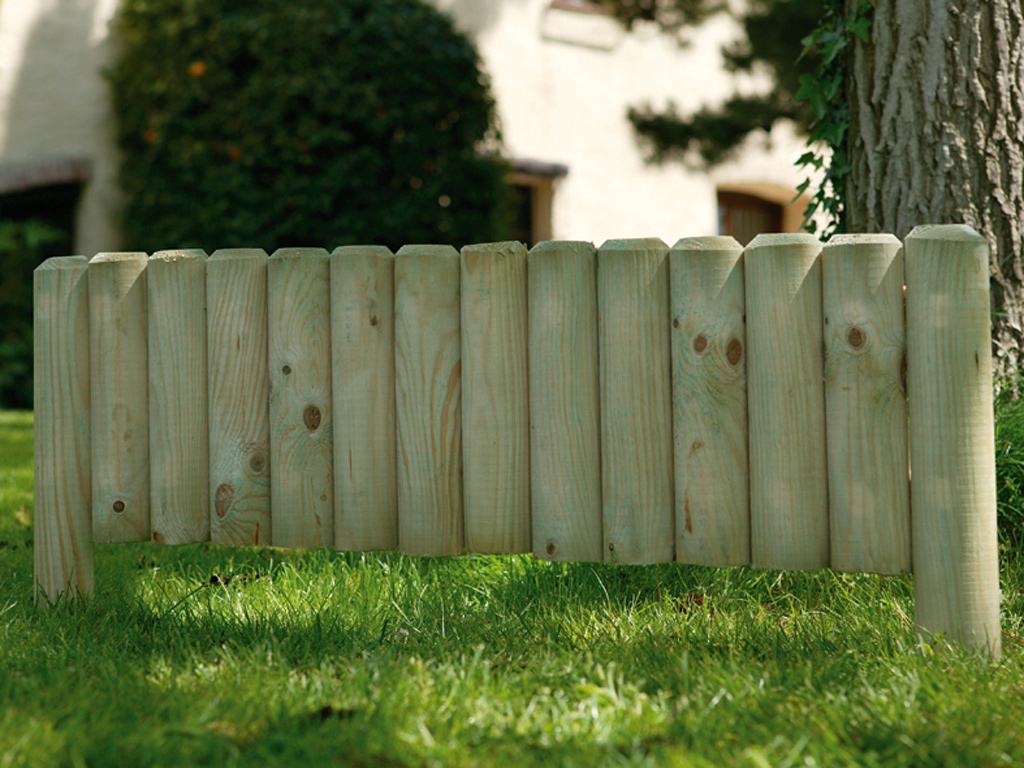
(303, 122)
(1009, 415)
(22, 249)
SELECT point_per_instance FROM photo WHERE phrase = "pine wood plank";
(179, 435)
(709, 402)
(363, 351)
(865, 404)
(952, 443)
(301, 422)
(565, 423)
(239, 392)
(786, 403)
(119, 397)
(62, 429)
(495, 399)
(428, 394)
(636, 401)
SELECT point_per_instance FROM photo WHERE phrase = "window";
(45, 191)
(746, 216)
(748, 210)
(533, 186)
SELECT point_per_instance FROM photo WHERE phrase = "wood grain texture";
(119, 397)
(495, 399)
(865, 404)
(179, 435)
(301, 422)
(62, 430)
(363, 351)
(786, 403)
(636, 401)
(428, 394)
(239, 392)
(709, 402)
(565, 423)
(952, 444)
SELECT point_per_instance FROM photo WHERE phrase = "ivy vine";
(823, 91)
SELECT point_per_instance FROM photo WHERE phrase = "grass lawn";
(204, 655)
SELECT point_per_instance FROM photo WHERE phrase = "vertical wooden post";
(63, 527)
(495, 398)
(301, 440)
(786, 403)
(119, 397)
(239, 492)
(179, 438)
(866, 406)
(428, 394)
(363, 351)
(636, 401)
(565, 423)
(709, 402)
(952, 444)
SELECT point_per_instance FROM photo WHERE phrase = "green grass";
(202, 655)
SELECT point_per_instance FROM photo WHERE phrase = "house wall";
(563, 77)
(55, 108)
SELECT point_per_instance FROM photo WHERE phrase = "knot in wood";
(700, 344)
(311, 417)
(119, 506)
(286, 369)
(222, 498)
(734, 351)
(675, 322)
(856, 337)
(257, 462)
(550, 548)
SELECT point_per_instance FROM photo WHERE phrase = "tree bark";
(937, 136)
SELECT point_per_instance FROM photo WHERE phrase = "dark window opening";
(53, 204)
(746, 216)
(522, 214)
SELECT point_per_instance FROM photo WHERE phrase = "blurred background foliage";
(771, 42)
(23, 246)
(278, 123)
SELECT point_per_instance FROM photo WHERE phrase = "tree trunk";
(937, 136)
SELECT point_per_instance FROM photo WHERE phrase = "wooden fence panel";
(179, 438)
(62, 429)
(428, 394)
(866, 405)
(952, 444)
(301, 439)
(363, 352)
(786, 402)
(495, 399)
(565, 423)
(239, 392)
(119, 397)
(636, 401)
(709, 402)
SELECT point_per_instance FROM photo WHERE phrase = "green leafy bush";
(1009, 414)
(22, 248)
(303, 122)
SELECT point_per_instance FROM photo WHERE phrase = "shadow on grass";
(177, 602)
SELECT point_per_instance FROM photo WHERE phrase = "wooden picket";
(632, 403)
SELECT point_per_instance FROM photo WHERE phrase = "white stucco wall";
(54, 103)
(563, 81)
